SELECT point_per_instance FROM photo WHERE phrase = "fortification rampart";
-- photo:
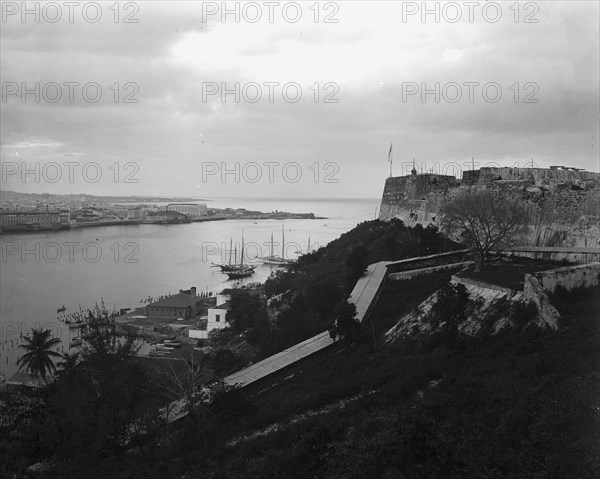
(563, 204)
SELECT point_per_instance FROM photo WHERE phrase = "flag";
(390, 154)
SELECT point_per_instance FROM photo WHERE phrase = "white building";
(217, 316)
(193, 210)
(216, 319)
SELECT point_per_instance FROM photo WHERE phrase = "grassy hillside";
(523, 403)
(520, 403)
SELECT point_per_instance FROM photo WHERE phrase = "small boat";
(277, 260)
(157, 354)
(61, 309)
(165, 349)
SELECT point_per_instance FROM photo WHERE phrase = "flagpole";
(390, 159)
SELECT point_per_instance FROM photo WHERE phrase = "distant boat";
(277, 260)
(163, 348)
(61, 309)
(158, 354)
(299, 252)
(226, 268)
(241, 270)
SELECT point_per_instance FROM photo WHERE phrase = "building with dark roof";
(184, 304)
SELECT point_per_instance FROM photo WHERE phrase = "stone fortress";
(563, 203)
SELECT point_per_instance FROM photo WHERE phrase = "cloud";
(167, 59)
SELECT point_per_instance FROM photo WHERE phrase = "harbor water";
(123, 265)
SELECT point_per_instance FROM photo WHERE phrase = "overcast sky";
(361, 80)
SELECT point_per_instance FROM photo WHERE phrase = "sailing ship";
(225, 268)
(277, 260)
(299, 251)
(241, 270)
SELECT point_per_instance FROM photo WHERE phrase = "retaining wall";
(570, 277)
(423, 271)
(420, 262)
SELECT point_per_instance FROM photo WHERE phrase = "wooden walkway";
(364, 293)
(362, 296)
(367, 287)
(280, 360)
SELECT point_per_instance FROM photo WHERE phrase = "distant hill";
(83, 197)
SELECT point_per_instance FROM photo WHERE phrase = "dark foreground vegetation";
(521, 403)
(517, 404)
(303, 300)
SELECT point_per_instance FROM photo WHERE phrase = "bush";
(522, 313)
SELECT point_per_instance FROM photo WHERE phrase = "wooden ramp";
(280, 360)
(363, 295)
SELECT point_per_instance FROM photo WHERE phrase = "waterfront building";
(32, 219)
(216, 319)
(185, 304)
(136, 212)
(192, 210)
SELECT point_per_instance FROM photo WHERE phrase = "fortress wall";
(487, 174)
(560, 214)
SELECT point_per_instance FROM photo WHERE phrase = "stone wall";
(537, 286)
(488, 174)
(481, 284)
(406, 193)
(433, 269)
(570, 277)
(563, 205)
(421, 262)
(533, 291)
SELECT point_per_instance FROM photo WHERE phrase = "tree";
(245, 310)
(37, 361)
(69, 363)
(450, 310)
(69, 367)
(357, 261)
(345, 324)
(487, 220)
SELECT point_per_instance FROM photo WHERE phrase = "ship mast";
(242, 259)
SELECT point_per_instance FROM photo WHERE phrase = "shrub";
(522, 313)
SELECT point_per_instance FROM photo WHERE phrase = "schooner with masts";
(277, 260)
(232, 269)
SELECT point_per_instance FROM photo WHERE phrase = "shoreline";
(73, 226)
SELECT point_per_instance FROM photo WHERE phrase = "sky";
(286, 99)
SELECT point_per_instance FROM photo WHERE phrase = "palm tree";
(38, 359)
(68, 364)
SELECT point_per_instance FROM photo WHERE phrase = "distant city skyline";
(186, 103)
